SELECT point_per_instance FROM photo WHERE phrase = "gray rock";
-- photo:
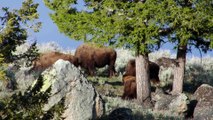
(24, 79)
(176, 105)
(82, 102)
(204, 106)
(162, 102)
(179, 104)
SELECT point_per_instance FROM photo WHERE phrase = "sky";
(49, 31)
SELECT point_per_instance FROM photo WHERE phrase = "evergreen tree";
(189, 24)
(120, 23)
(14, 26)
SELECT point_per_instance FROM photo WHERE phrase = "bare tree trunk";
(142, 80)
(179, 71)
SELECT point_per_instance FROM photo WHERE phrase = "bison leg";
(111, 70)
(91, 69)
(91, 72)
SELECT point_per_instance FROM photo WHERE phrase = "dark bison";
(45, 60)
(153, 68)
(90, 56)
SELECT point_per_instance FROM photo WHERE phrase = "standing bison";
(90, 56)
(129, 79)
(47, 59)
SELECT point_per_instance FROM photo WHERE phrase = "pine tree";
(14, 26)
(190, 24)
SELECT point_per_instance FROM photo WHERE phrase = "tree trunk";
(179, 71)
(142, 80)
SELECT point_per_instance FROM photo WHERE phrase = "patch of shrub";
(28, 106)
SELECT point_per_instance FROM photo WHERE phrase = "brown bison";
(129, 87)
(90, 56)
(47, 59)
(129, 79)
(153, 68)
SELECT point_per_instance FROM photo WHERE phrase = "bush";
(29, 105)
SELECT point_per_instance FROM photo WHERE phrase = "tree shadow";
(116, 83)
(191, 87)
(191, 107)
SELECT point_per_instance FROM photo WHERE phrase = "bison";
(129, 79)
(129, 87)
(91, 56)
(153, 68)
(45, 60)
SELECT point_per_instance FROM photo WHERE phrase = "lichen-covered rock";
(204, 106)
(170, 104)
(82, 102)
(179, 104)
(162, 101)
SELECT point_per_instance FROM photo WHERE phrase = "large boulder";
(204, 107)
(82, 102)
(170, 104)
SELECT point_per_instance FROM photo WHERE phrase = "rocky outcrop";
(82, 102)
(204, 107)
(176, 105)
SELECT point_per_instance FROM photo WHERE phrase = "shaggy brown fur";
(129, 87)
(89, 56)
(47, 59)
(129, 78)
(153, 68)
